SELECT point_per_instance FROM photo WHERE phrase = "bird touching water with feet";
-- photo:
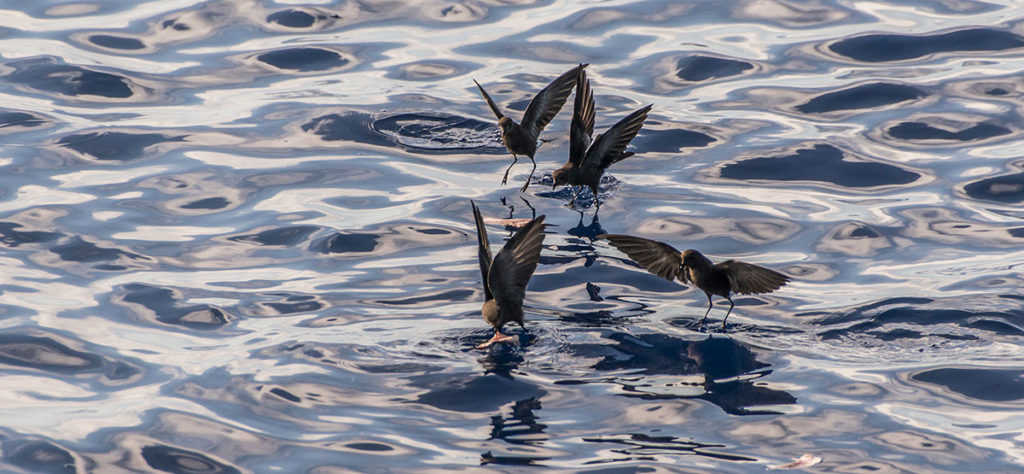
(721, 279)
(588, 161)
(505, 276)
(521, 138)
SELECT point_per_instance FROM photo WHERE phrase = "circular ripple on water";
(430, 70)
(439, 133)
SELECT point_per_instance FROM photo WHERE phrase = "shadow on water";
(660, 366)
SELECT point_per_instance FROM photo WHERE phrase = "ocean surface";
(236, 237)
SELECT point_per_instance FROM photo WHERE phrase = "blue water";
(237, 237)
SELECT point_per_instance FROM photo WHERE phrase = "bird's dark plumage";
(720, 279)
(521, 138)
(505, 276)
(588, 161)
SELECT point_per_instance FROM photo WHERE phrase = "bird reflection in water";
(641, 446)
(522, 426)
(520, 429)
(717, 369)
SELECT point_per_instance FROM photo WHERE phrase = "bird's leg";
(498, 338)
(731, 304)
(710, 304)
(504, 179)
(528, 178)
(575, 194)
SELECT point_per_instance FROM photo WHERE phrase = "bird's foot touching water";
(498, 339)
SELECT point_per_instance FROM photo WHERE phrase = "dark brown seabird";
(521, 138)
(505, 276)
(587, 161)
(720, 279)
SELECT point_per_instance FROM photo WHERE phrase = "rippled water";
(237, 237)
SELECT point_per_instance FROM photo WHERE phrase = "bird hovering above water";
(521, 138)
(691, 266)
(505, 276)
(587, 161)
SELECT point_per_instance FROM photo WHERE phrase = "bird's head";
(695, 259)
(505, 123)
(560, 176)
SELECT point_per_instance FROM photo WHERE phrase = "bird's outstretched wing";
(546, 104)
(656, 257)
(514, 265)
(490, 102)
(582, 126)
(609, 147)
(483, 250)
(747, 278)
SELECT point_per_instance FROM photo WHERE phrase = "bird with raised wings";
(720, 279)
(588, 161)
(505, 276)
(521, 138)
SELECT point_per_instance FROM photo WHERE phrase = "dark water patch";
(163, 304)
(292, 18)
(990, 385)
(285, 394)
(506, 460)
(49, 354)
(285, 304)
(304, 59)
(439, 133)
(925, 131)
(117, 42)
(1006, 189)
(430, 300)
(20, 119)
(44, 75)
(670, 140)
(177, 460)
(371, 447)
(466, 393)
(820, 162)
(430, 70)
(387, 239)
(699, 68)
(643, 447)
(45, 354)
(281, 236)
(75, 249)
(115, 146)
(864, 96)
(349, 127)
(176, 24)
(13, 234)
(346, 243)
(208, 203)
(726, 367)
(882, 48)
(39, 456)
